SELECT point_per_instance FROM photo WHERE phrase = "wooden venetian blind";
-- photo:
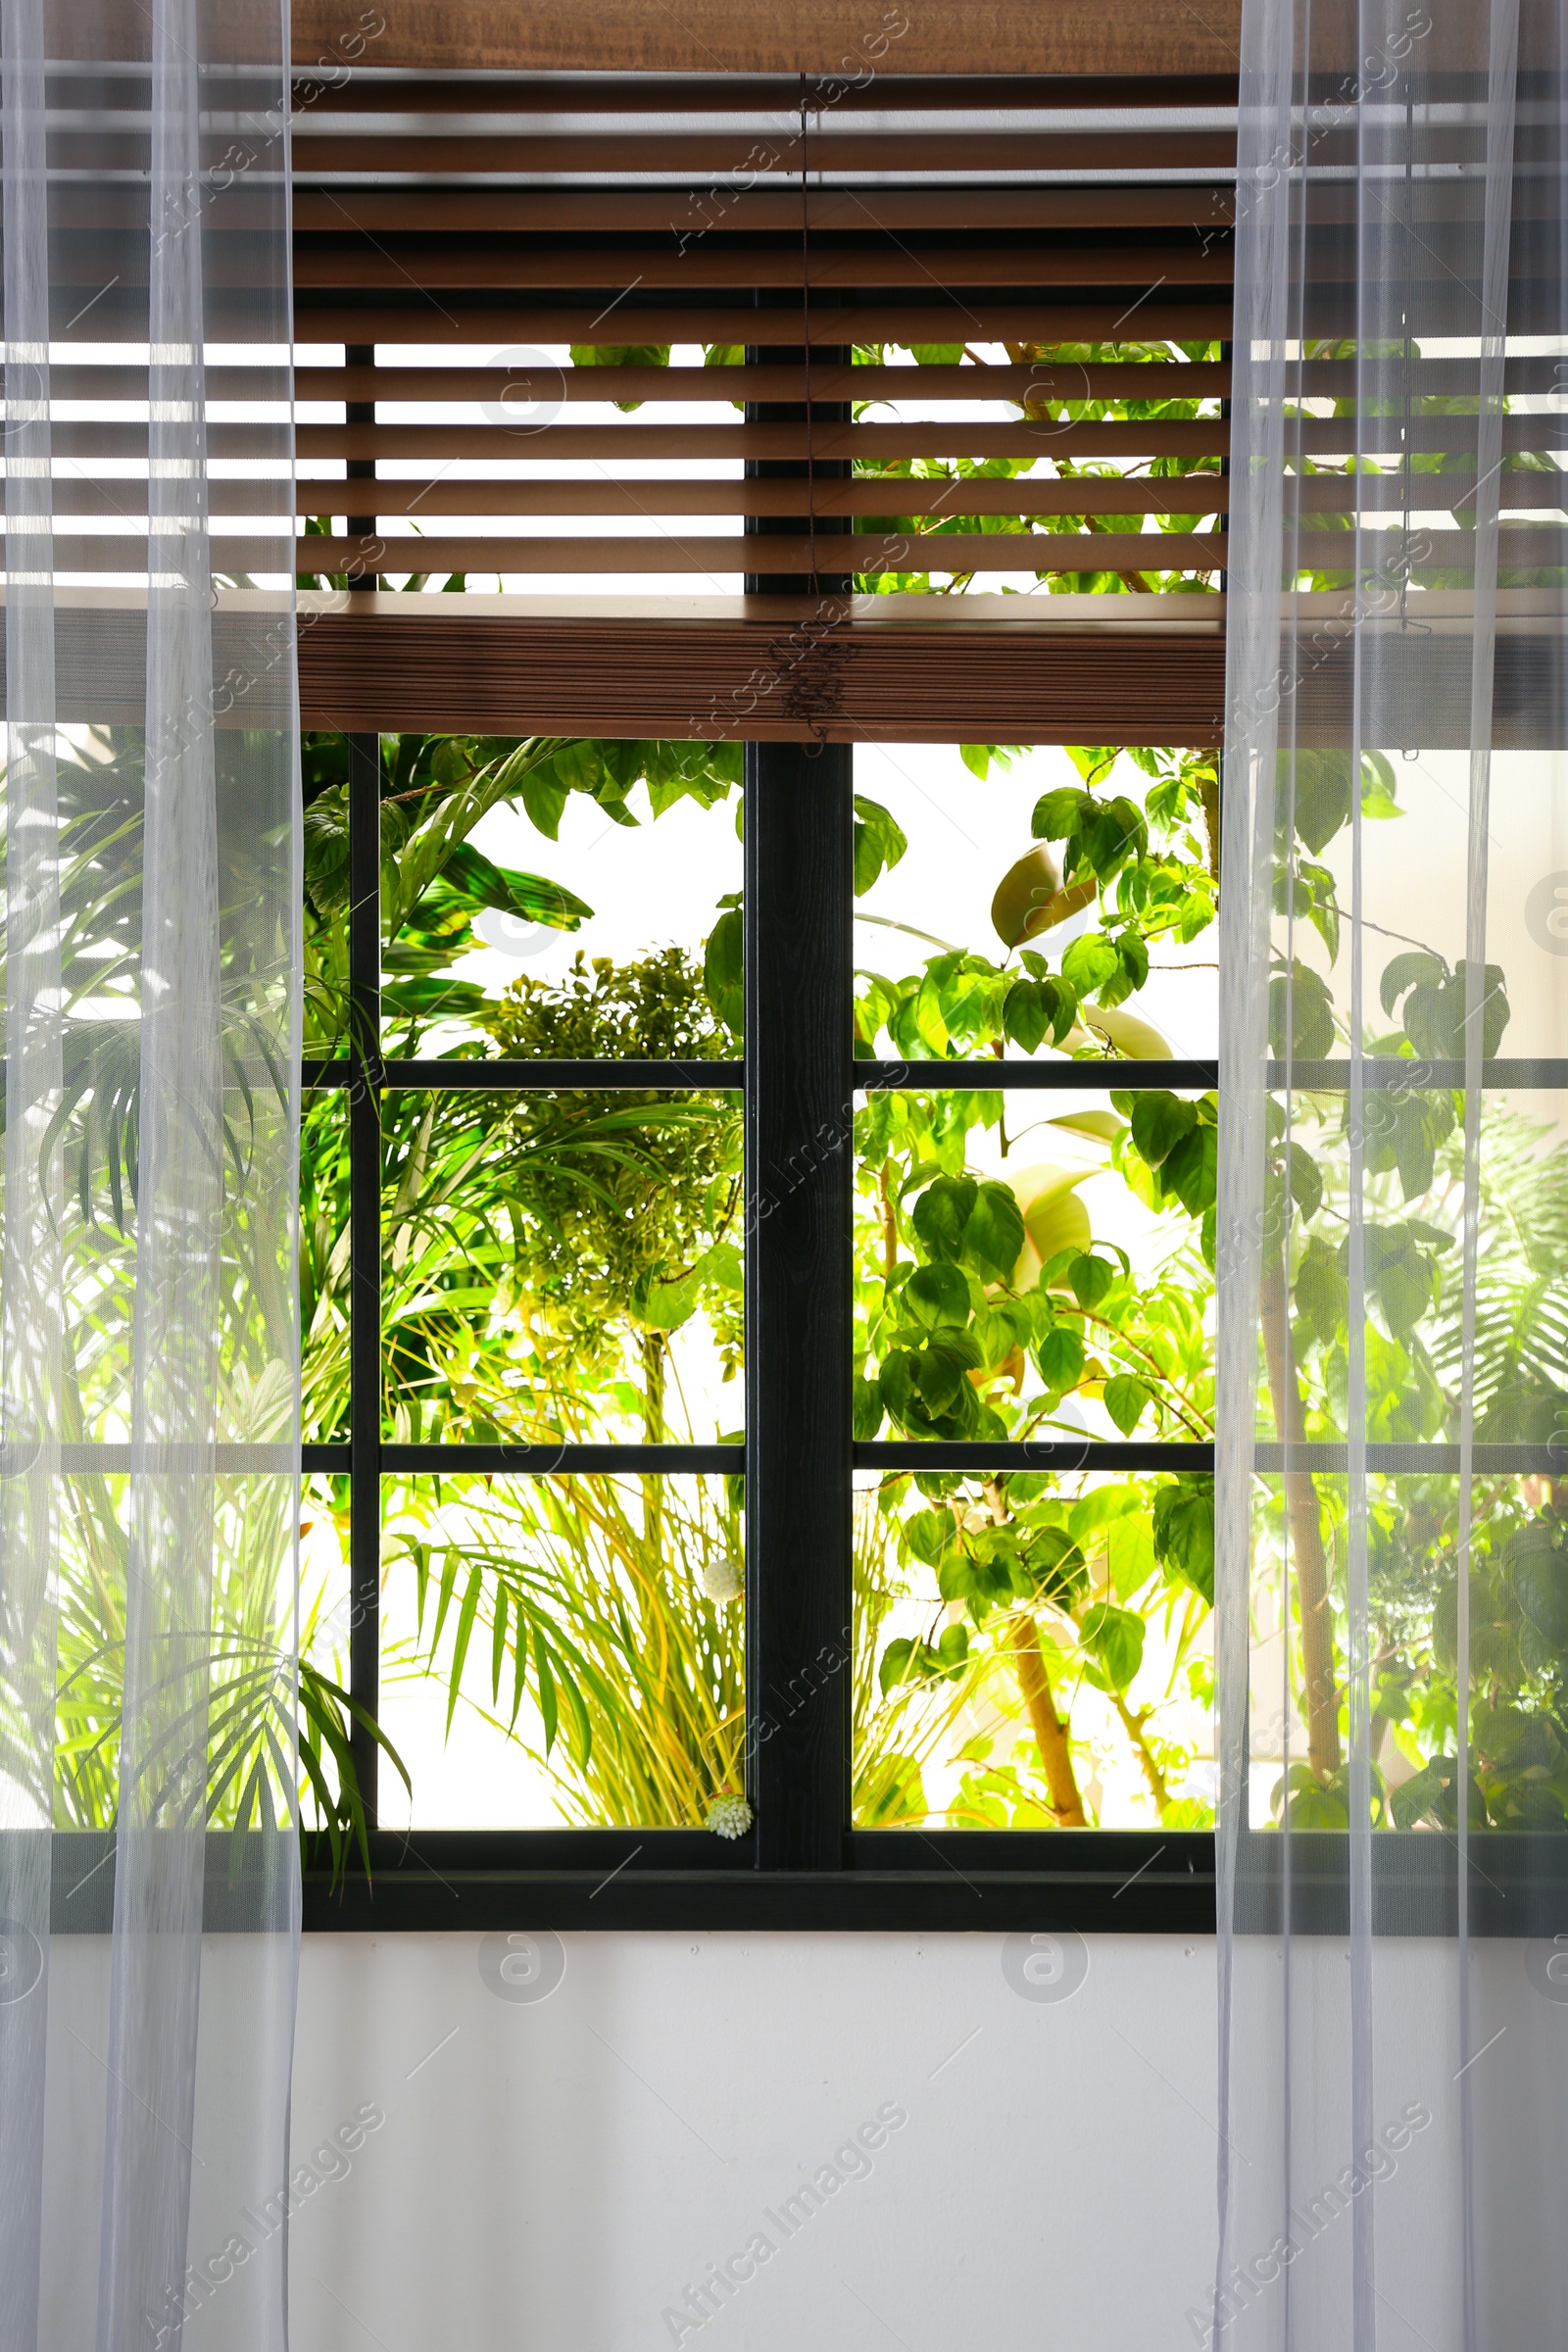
(597, 329)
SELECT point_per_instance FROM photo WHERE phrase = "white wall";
(552, 2175)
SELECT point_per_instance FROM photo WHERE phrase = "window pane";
(1518, 1656)
(325, 1591)
(1033, 1651)
(325, 1265)
(1414, 842)
(563, 1651)
(323, 775)
(538, 896)
(239, 1664)
(1412, 1146)
(1035, 1265)
(89, 1668)
(1054, 901)
(562, 1266)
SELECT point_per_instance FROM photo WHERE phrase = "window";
(721, 1391)
(687, 1436)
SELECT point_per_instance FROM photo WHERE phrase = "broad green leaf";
(663, 1306)
(931, 1535)
(1321, 1295)
(879, 843)
(1098, 1507)
(1054, 1564)
(1416, 967)
(1060, 1358)
(544, 800)
(940, 1398)
(1127, 1397)
(1092, 760)
(721, 1265)
(1537, 1568)
(942, 1215)
(994, 1235)
(1112, 832)
(999, 1329)
(1183, 1532)
(1037, 1009)
(1320, 791)
(1302, 997)
(952, 1649)
(1091, 1278)
(1090, 962)
(1160, 1121)
(1115, 1637)
(469, 876)
(867, 1409)
(1305, 1180)
(898, 1659)
(1056, 815)
(724, 971)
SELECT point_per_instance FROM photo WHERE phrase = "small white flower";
(723, 1578)
(730, 1816)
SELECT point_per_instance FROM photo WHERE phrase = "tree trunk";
(1050, 1730)
(890, 1225)
(1132, 1726)
(1208, 793)
(1050, 1733)
(1321, 1687)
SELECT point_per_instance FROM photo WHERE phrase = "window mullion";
(798, 899)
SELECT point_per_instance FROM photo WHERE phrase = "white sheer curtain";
(1392, 1485)
(149, 1354)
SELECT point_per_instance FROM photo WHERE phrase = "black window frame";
(802, 1864)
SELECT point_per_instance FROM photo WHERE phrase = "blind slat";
(723, 265)
(1139, 438)
(860, 552)
(749, 211)
(1040, 319)
(1198, 379)
(600, 156)
(1171, 494)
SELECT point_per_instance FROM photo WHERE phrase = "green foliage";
(435, 789)
(1437, 1003)
(878, 842)
(529, 1237)
(1149, 868)
(1316, 792)
(656, 1008)
(620, 354)
(582, 1632)
(1301, 1014)
(1183, 1532)
(724, 969)
(1058, 396)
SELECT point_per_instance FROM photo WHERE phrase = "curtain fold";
(1392, 1488)
(149, 1347)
